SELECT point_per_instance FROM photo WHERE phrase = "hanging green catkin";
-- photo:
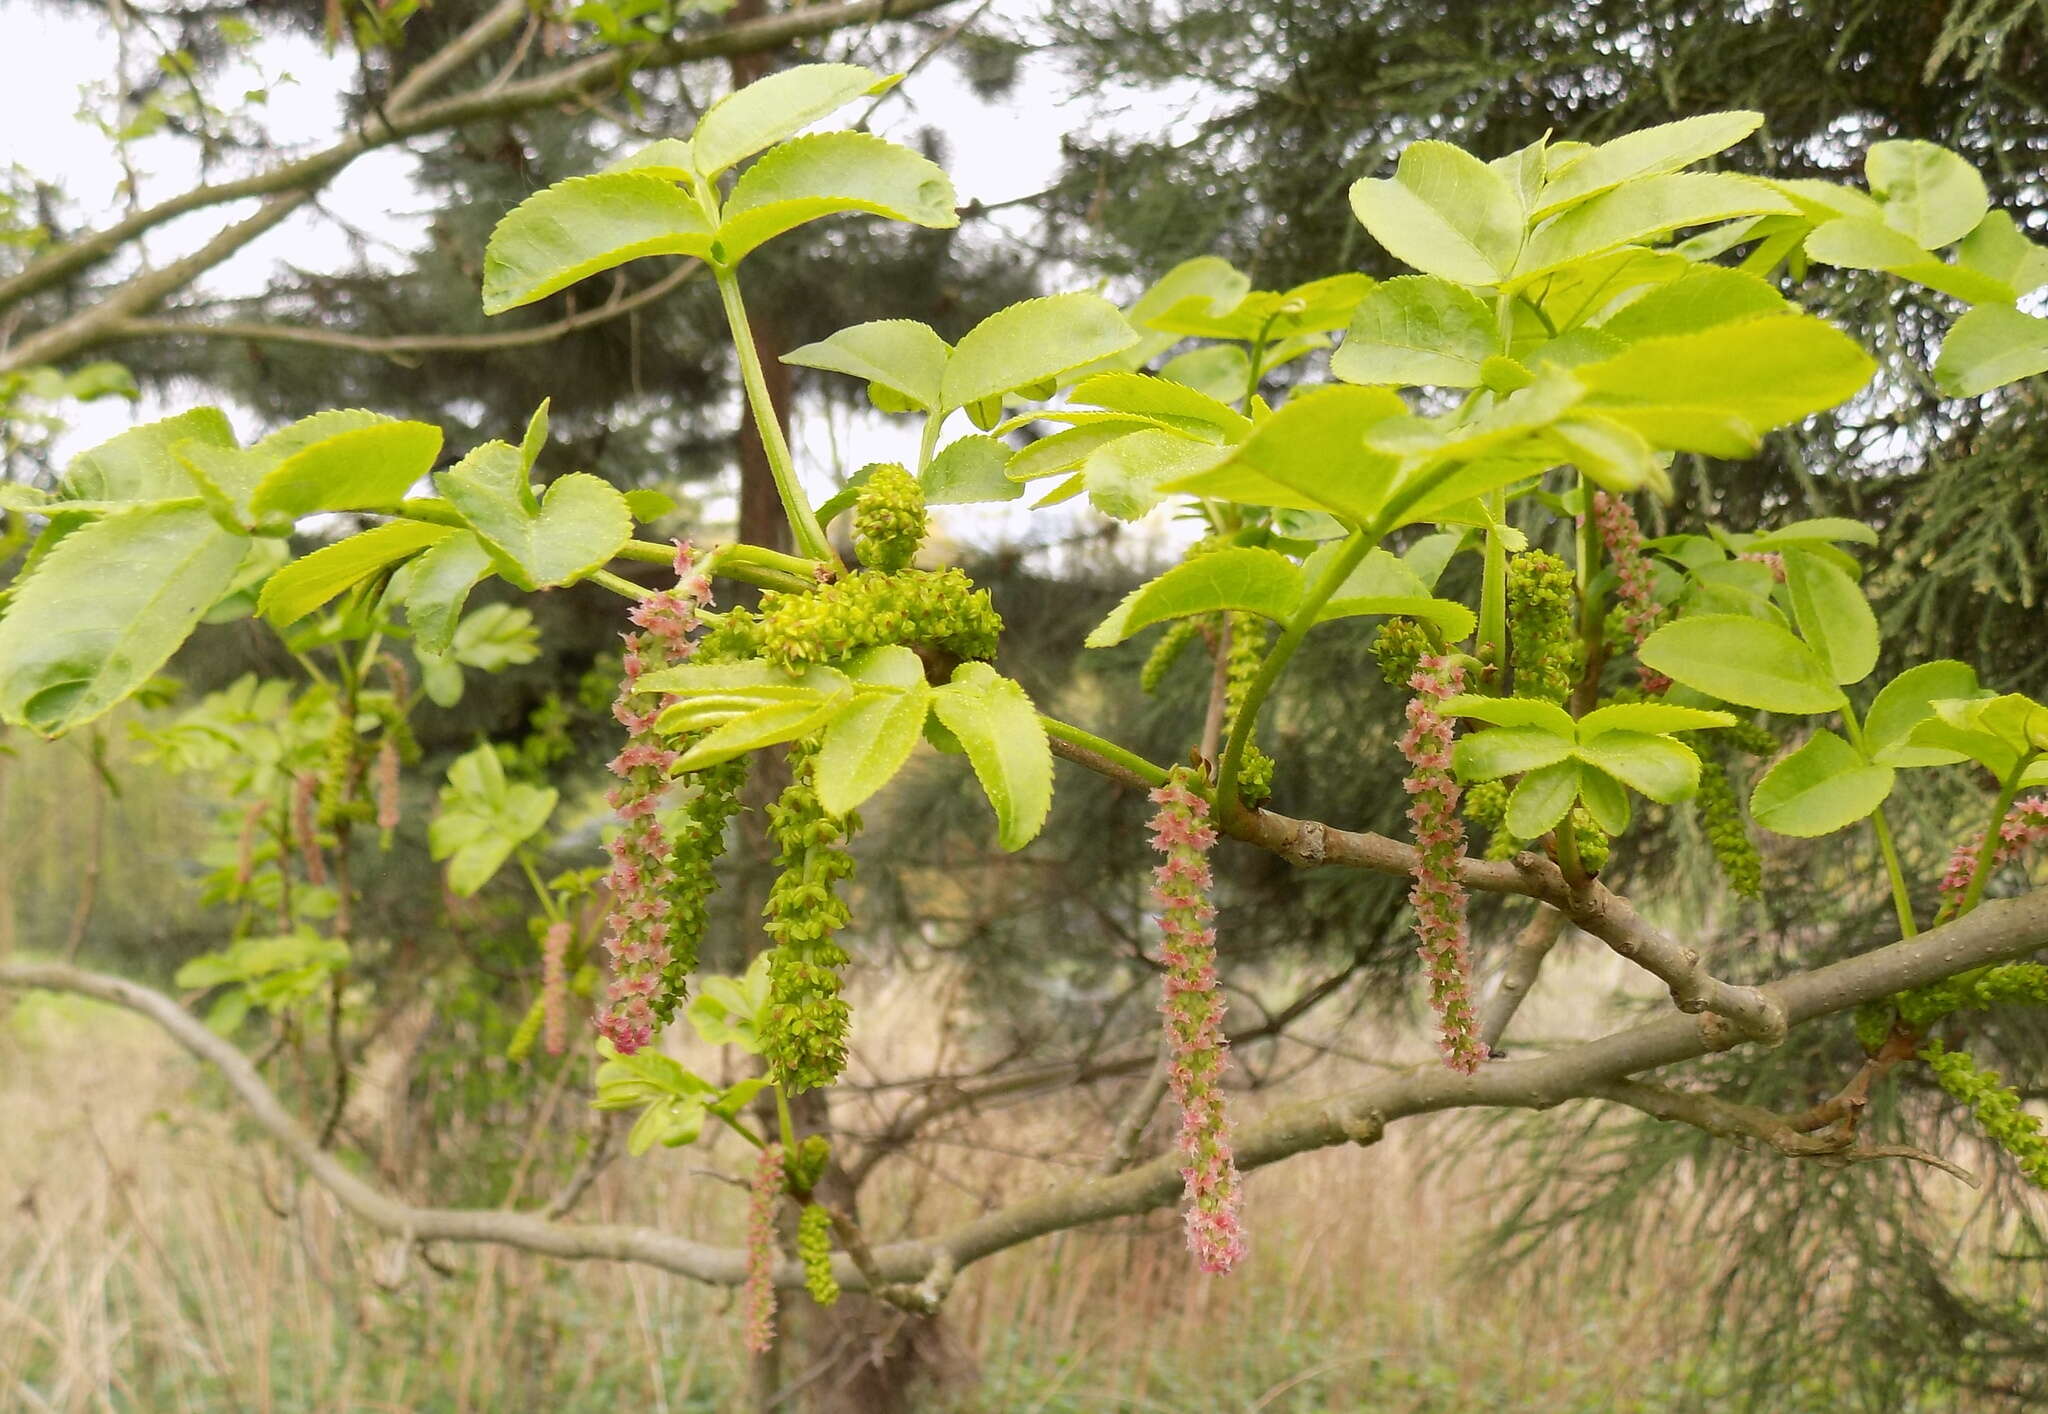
(1720, 817)
(1542, 606)
(889, 522)
(699, 843)
(805, 1040)
(814, 1248)
(1249, 635)
(1997, 1107)
(1166, 652)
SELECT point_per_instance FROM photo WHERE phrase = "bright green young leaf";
(483, 818)
(1240, 577)
(437, 585)
(749, 675)
(1989, 347)
(1218, 371)
(1493, 752)
(352, 470)
(1907, 701)
(1309, 455)
(900, 354)
(995, 723)
(1589, 290)
(585, 225)
(1177, 404)
(1656, 766)
(968, 471)
(2017, 721)
(1703, 297)
(1514, 712)
(1823, 530)
(1638, 210)
(138, 465)
(104, 609)
(1870, 244)
(1031, 341)
(1541, 799)
(1927, 191)
(1611, 453)
(1444, 212)
(1714, 391)
(1824, 786)
(1418, 329)
(1123, 476)
(1269, 316)
(304, 585)
(1833, 616)
(867, 744)
(764, 726)
(1654, 717)
(1208, 278)
(823, 175)
(1742, 660)
(733, 1011)
(1383, 584)
(1997, 249)
(578, 527)
(1606, 800)
(752, 119)
(1648, 152)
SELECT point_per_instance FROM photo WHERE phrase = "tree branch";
(407, 349)
(1525, 962)
(1995, 932)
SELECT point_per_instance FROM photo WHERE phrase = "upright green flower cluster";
(1399, 646)
(805, 1040)
(1543, 601)
(814, 1249)
(889, 522)
(936, 609)
(1720, 817)
(1997, 1107)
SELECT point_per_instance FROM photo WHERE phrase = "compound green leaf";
(1444, 212)
(1998, 250)
(1241, 577)
(968, 471)
(754, 118)
(1493, 752)
(1123, 476)
(1927, 191)
(900, 354)
(1514, 712)
(1653, 717)
(579, 526)
(1822, 787)
(104, 609)
(1652, 765)
(867, 744)
(764, 726)
(1701, 298)
(1747, 661)
(1648, 152)
(437, 586)
(1383, 584)
(995, 723)
(1832, 615)
(585, 225)
(1638, 210)
(305, 584)
(1541, 799)
(1989, 347)
(1715, 390)
(357, 469)
(139, 464)
(1030, 342)
(1908, 700)
(1866, 244)
(824, 175)
(1418, 329)
(1310, 455)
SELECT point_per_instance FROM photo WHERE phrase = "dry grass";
(158, 1257)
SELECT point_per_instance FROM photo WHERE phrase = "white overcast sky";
(51, 58)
